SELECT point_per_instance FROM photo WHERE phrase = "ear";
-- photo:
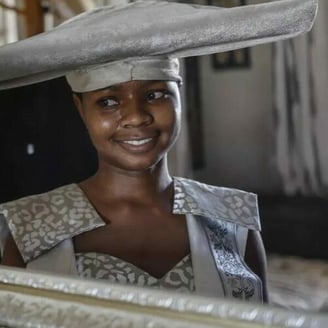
(78, 104)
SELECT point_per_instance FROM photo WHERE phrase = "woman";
(132, 222)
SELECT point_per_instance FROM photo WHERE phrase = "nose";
(135, 114)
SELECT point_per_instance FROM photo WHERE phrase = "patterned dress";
(218, 220)
(104, 266)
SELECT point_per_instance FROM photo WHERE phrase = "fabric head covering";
(104, 75)
(148, 29)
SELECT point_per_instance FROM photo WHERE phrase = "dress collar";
(40, 222)
(219, 203)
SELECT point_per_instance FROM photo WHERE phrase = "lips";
(137, 144)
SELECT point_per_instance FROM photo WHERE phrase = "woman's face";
(132, 124)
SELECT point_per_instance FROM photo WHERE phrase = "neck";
(148, 187)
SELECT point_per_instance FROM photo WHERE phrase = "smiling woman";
(133, 124)
(132, 222)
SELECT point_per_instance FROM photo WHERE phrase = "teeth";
(137, 142)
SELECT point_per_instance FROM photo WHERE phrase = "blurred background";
(254, 119)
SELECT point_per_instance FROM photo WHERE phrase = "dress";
(217, 218)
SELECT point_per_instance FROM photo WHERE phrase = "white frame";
(32, 299)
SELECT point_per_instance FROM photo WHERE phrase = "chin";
(135, 163)
(142, 164)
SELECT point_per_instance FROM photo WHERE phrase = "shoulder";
(40, 203)
(218, 203)
(39, 222)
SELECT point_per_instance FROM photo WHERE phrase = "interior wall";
(320, 71)
(238, 123)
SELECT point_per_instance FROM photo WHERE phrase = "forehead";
(135, 85)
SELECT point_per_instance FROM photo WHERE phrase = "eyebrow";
(118, 87)
(115, 87)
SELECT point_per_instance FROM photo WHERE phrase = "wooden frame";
(194, 111)
(240, 58)
(33, 16)
(227, 3)
(32, 299)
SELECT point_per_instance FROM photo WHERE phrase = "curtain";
(65, 9)
(300, 77)
(8, 25)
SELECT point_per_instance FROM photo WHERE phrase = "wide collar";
(219, 203)
(40, 222)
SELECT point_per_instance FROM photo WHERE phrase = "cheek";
(176, 126)
(170, 117)
(175, 120)
(106, 125)
(101, 124)
(178, 116)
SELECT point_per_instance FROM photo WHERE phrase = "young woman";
(132, 222)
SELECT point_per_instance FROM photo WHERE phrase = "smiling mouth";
(139, 142)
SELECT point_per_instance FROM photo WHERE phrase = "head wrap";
(100, 76)
(147, 29)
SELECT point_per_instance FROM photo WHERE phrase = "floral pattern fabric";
(103, 266)
(39, 223)
(227, 204)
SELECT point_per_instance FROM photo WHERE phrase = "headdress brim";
(150, 28)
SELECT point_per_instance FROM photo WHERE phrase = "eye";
(156, 95)
(107, 102)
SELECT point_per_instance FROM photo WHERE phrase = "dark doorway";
(43, 142)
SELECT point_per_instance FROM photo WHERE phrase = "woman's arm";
(255, 258)
(11, 254)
